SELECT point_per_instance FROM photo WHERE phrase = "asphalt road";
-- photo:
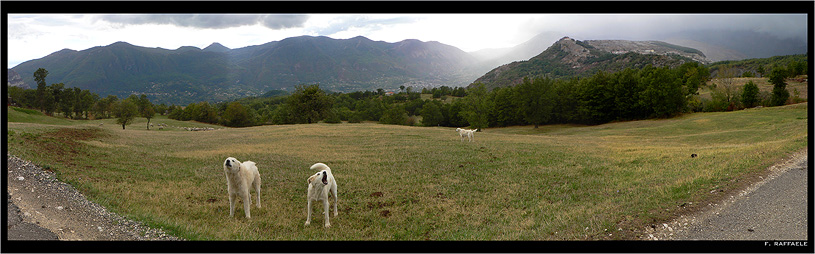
(23, 230)
(777, 210)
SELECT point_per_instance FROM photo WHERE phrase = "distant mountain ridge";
(573, 58)
(215, 73)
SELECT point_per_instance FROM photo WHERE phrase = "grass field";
(558, 182)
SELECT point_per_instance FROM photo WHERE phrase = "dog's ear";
(325, 178)
(310, 178)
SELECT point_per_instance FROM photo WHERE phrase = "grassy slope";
(417, 183)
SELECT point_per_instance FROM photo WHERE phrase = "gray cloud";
(214, 21)
(356, 21)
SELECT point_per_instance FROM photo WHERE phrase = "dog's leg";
(247, 201)
(308, 219)
(334, 191)
(257, 189)
(326, 207)
(232, 204)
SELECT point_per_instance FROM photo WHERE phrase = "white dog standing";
(239, 178)
(319, 186)
(466, 133)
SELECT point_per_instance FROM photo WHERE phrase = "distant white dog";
(239, 177)
(466, 133)
(319, 185)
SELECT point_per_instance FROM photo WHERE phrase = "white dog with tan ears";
(239, 178)
(319, 186)
(466, 133)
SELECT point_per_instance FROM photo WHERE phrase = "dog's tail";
(320, 166)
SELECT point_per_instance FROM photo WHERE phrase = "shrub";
(749, 95)
(332, 117)
(396, 114)
(355, 118)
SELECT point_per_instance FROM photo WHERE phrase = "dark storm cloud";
(214, 21)
(655, 26)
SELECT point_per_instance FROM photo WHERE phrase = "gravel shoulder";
(40, 207)
(774, 208)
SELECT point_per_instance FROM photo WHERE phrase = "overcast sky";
(32, 36)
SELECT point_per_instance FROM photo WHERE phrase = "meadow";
(556, 182)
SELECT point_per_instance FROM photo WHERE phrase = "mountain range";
(217, 73)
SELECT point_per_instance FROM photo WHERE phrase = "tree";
(595, 98)
(146, 109)
(205, 113)
(431, 113)
(477, 107)
(395, 114)
(68, 99)
(56, 99)
(452, 114)
(370, 109)
(780, 94)
(726, 78)
(282, 115)
(749, 95)
(161, 109)
(694, 75)
(535, 100)
(236, 115)
(333, 116)
(42, 89)
(761, 70)
(506, 109)
(103, 107)
(626, 87)
(86, 101)
(309, 104)
(125, 111)
(663, 93)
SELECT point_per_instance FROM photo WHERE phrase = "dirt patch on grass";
(65, 140)
(65, 143)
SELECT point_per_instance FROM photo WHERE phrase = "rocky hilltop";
(14, 79)
(573, 58)
(647, 47)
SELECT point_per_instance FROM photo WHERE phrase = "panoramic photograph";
(411, 129)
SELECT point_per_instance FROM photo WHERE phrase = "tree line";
(630, 94)
(76, 103)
